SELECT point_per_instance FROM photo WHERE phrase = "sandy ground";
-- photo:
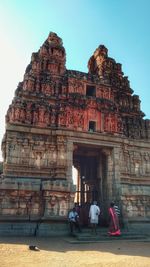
(55, 252)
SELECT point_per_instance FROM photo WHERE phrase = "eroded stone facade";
(54, 110)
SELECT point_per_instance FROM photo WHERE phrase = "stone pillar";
(100, 178)
(112, 179)
(109, 174)
(116, 187)
(69, 161)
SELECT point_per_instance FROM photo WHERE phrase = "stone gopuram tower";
(62, 118)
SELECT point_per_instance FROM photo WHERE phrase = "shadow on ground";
(66, 243)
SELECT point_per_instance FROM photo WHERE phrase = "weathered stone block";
(8, 211)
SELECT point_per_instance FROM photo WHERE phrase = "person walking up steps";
(94, 213)
(114, 229)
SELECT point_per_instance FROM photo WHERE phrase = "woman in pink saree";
(114, 229)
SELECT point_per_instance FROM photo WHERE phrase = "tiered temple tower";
(62, 118)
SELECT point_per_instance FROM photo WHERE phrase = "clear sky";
(123, 26)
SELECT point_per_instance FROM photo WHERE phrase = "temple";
(60, 120)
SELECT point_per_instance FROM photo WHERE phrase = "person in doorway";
(74, 223)
(77, 207)
(94, 213)
(114, 229)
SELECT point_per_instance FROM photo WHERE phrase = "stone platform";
(55, 229)
(88, 237)
(26, 228)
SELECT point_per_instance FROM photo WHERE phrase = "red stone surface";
(51, 96)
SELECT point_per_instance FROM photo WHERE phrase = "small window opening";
(90, 90)
(92, 126)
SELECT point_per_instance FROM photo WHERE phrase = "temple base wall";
(28, 228)
(35, 200)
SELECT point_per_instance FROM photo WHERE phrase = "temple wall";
(37, 176)
(135, 180)
(30, 199)
(35, 154)
(136, 201)
(55, 109)
(127, 180)
(42, 155)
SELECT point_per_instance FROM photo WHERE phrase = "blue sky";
(121, 25)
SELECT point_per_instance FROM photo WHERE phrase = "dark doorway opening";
(92, 126)
(90, 90)
(87, 185)
(90, 165)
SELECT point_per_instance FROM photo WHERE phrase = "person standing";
(114, 229)
(117, 210)
(94, 213)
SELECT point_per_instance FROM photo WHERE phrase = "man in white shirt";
(74, 220)
(94, 213)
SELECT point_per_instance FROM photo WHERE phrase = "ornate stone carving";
(55, 110)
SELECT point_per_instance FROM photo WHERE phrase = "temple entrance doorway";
(90, 178)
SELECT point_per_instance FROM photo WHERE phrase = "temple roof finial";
(53, 38)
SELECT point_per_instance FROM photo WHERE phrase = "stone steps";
(87, 236)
